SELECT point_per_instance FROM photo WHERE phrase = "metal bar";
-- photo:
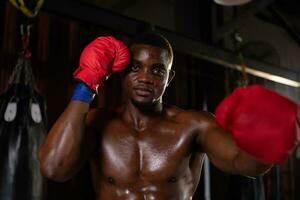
(228, 58)
(93, 15)
(207, 184)
(180, 43)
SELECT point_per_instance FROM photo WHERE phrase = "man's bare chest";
(161, 151)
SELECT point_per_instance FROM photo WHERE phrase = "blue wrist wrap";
(83, 93)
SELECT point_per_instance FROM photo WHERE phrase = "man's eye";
(158, 71)
(135, 67)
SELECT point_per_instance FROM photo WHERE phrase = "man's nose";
(145, 76)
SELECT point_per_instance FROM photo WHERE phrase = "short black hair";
(153, 39)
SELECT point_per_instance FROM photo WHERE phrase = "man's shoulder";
(190, 116)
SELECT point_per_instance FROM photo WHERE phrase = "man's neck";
(141, 116)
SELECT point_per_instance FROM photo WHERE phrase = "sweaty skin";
(143, 150)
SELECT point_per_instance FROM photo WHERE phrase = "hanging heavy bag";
(22, 129)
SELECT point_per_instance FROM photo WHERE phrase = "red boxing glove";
(262, 123)
(100, 58)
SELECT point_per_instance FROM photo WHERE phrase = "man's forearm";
(247, 165)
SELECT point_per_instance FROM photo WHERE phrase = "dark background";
(56, 43)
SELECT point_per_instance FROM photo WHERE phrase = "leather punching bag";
(22, 129)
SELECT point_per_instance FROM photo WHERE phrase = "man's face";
(147, 75)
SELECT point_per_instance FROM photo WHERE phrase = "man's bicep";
(219, 146)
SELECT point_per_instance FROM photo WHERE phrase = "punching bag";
(22, 129)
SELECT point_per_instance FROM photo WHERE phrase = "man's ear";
(171, 76)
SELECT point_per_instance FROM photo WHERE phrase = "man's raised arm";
(71, 139)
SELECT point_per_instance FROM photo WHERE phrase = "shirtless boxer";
(144, 149)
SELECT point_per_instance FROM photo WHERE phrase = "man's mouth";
(143, 91)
